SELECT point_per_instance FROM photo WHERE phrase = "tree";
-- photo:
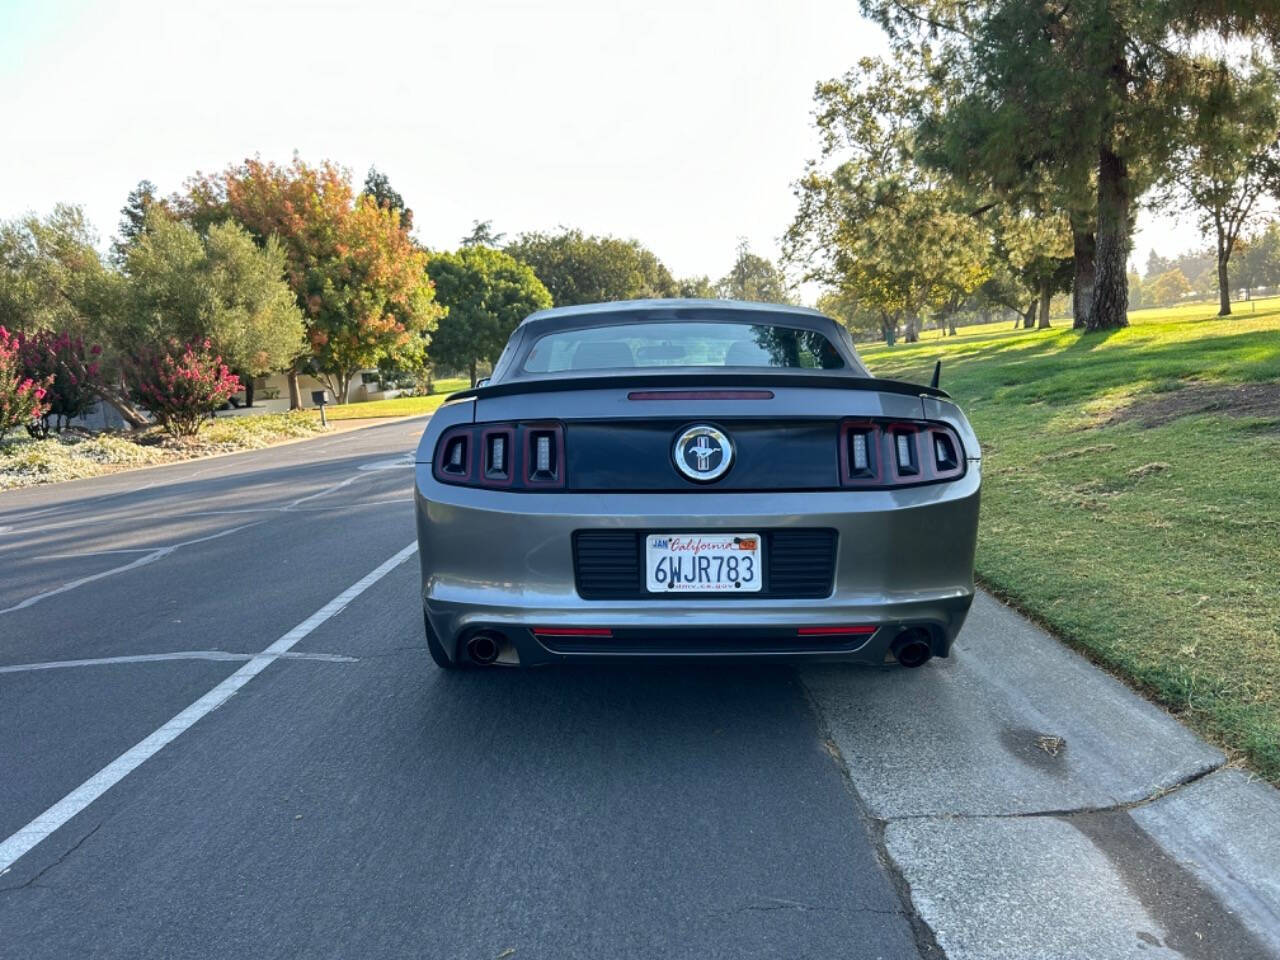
(873, 222)
(52, 279)
(482, 235)
(1169, 288)
(219, 287)
(1260, 259)
(133, 217)
(182, 384)
(752, 277)
(1229, 156)
(69, 371)
(1107, 75)
(1138, 297)
(378, 186)
(577, 268)
(844, 306)
(359, 279)
(50, 273)
(21, 397)
(698, 288)
(487, 294)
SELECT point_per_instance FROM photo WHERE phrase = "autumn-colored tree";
(359, 279)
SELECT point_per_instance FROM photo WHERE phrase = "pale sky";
(681, 124)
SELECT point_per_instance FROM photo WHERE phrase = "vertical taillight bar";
(544, 455)
(498, 454)
(861, 456)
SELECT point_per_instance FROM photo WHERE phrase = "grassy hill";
(1132, 498)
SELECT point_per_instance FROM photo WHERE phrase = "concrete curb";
(1036, 807)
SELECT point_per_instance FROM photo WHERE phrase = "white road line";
(93, 553)
(161, 657)
(320, 493)
(156, 554)
(119, 768)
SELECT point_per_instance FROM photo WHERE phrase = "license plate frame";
(702, 561)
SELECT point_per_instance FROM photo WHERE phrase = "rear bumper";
(503, 561)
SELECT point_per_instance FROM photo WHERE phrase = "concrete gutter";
(1035, 807)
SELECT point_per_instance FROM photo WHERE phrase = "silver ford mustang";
(694, 478)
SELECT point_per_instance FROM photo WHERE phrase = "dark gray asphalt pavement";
(351, 800)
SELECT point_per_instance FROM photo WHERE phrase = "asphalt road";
(221, 736)
(348, 799)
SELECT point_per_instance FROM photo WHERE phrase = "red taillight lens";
(601, 632)
(517, 455)
(894, 453)
(858, 631)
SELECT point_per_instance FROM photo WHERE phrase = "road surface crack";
(1065, 813)
(70, 850)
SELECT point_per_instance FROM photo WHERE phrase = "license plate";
(703, 563)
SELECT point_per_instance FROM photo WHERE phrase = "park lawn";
(398, 406)
(1131, 499)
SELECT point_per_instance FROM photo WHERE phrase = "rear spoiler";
(712, 380)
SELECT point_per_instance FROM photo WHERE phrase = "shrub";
(182, 385)
(61, 361)
(21, 396)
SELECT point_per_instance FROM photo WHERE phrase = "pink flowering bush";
(182, 385)
(21, 396)
(70, 372)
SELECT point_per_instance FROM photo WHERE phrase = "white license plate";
(703, 563)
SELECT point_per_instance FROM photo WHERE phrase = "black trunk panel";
(635, 455)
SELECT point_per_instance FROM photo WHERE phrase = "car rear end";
(552, 513)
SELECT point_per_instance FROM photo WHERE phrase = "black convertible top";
(509, 366)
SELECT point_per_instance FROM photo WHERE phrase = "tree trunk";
(951, 326)
(472, 370)
(1083, 246)
(1029, 318)
(119, 399)
(1110, 307)
(343, 386)
(1224, 285)
(248, 391)
(1046, 296)
(910, 334)
(295, 392)
(889, 327)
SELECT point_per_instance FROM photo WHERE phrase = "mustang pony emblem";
(702, 453)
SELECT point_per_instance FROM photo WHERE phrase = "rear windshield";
(682, 343)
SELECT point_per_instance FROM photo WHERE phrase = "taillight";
(517, 455)
(891, 453)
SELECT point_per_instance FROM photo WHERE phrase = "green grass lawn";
(1131, 498)
(397, 406)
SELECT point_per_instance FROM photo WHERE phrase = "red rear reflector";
(835, 631)
(700, 395)
(571, 631)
